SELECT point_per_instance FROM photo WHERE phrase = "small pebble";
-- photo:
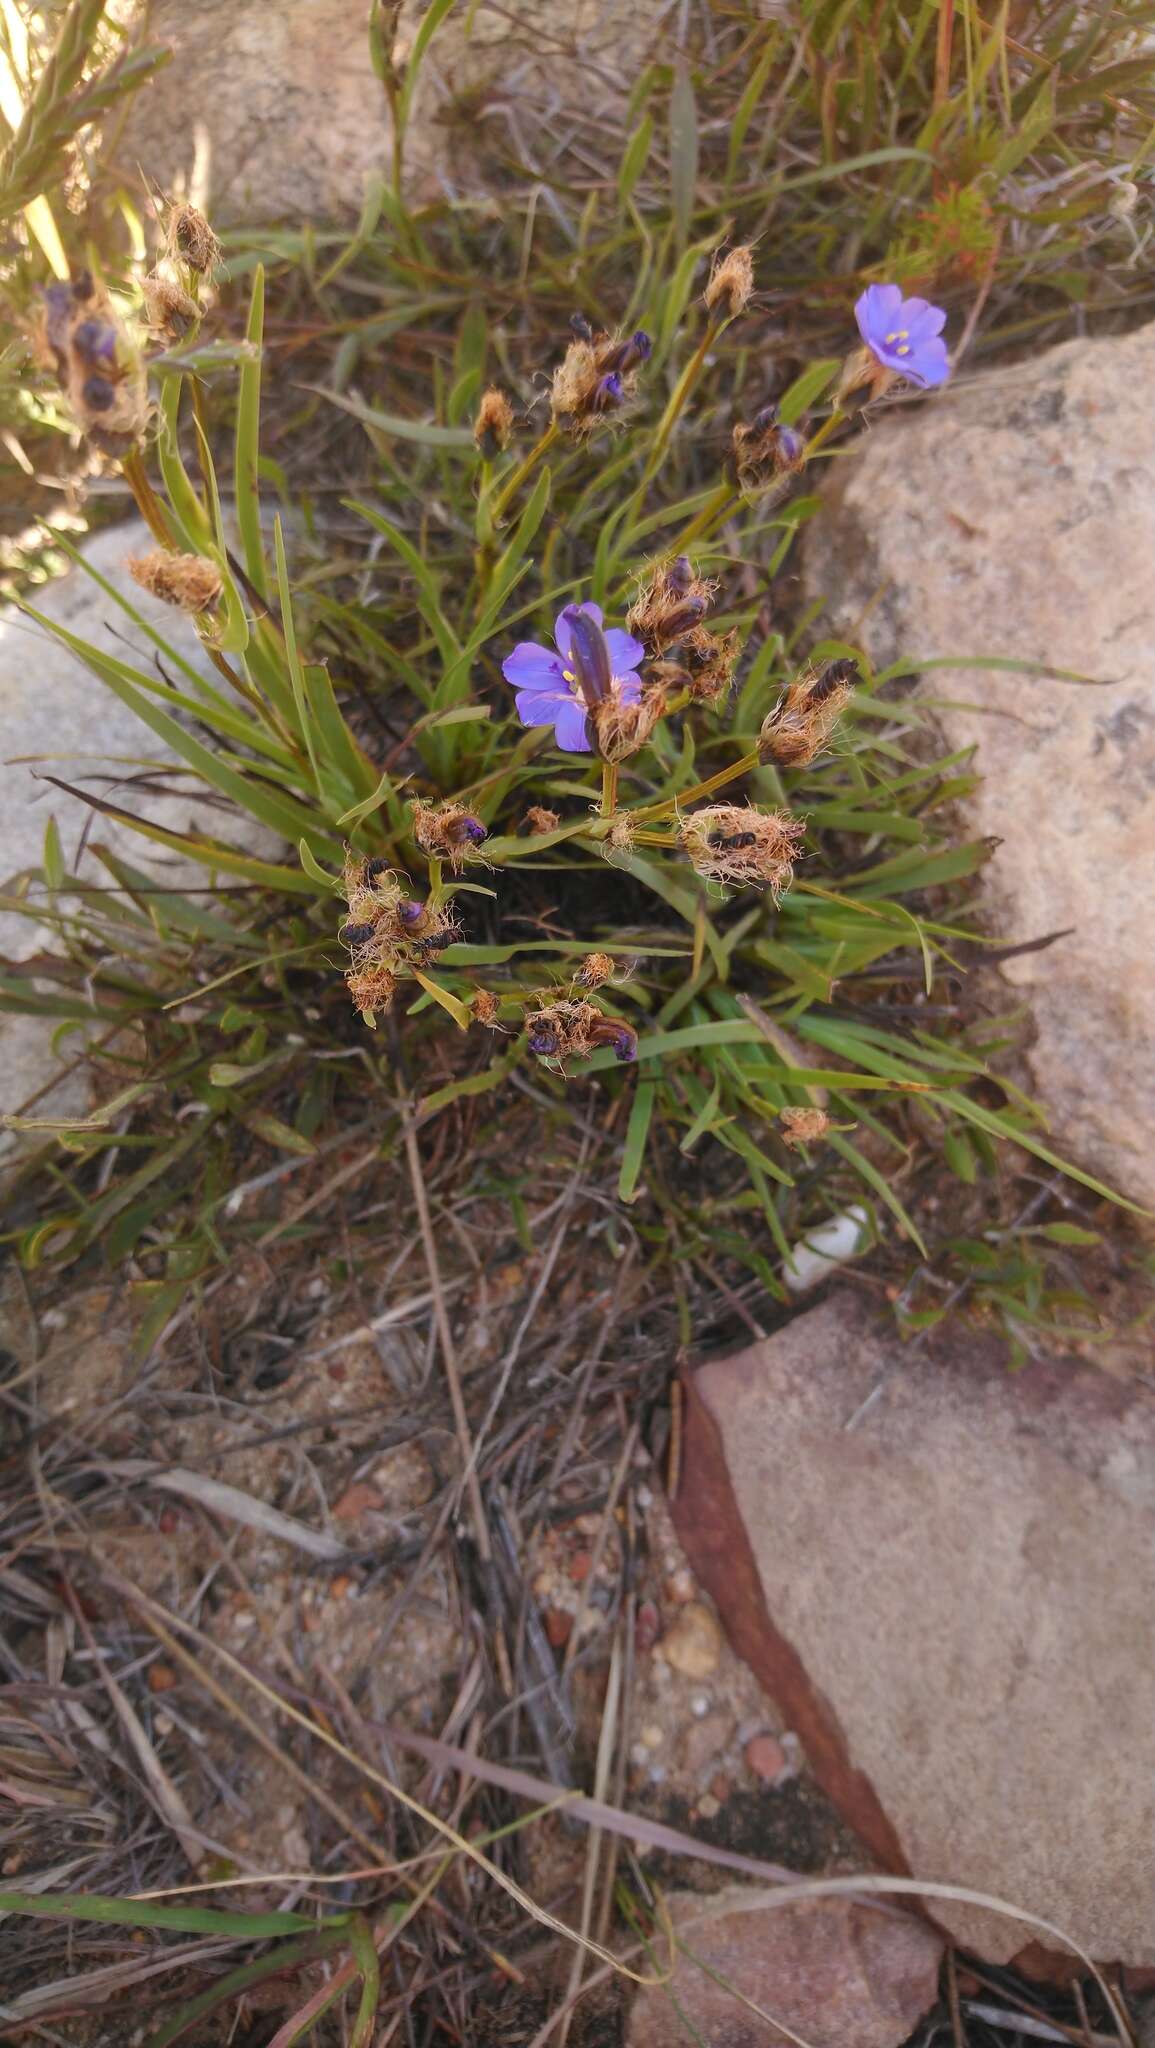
(653, 1736)
(639, 1754)
(721, 1788)
(694, 1644)
(708, 1807)
(558, 1627)
(680, 1585)
(766, 1758)
(161, 1678)
(700, 1705)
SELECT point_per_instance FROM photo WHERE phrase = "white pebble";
(825, 1248)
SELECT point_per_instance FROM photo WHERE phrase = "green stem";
(148, 504)
(678, 397)
(524, 468)
(609, 788)
(668, 805)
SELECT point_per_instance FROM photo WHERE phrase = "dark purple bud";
(685, 616)
(607, 393)
(581, 327)
(82, 287)
(94, 341)
(57, 319)
(837, 675)
(791, 447)
(98, 394)
(680, 575)
(764, 420)
(732, 841)
(589, 656)
(356, 934)
(628, 354)
(620, 1037)
(471, 829)
(543, 1041)
(410, 912)
(377, 866)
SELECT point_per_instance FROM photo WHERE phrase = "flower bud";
(540, 819)
(738, 844)
(766, 452)
(589, 656)
(190, 239)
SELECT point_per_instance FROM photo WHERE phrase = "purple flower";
(904, 335)
(548, 691)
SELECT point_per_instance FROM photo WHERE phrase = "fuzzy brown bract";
(806, 714)
(170, 310)
(541, 819)
(371, 988)
(595, 970)
(573, 1029)
(622, 729)
(493, 425)
(803, 1126)
(737, 843)
(594, 382)
(765, 454)
(447, 831)
(189, 239)
(485, 1008)
(188, 581)
(731, 283)
(672, 601)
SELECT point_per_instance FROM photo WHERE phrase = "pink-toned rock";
(839, 1974)
(951, 1602)
(766, 1757)
(1015, 517)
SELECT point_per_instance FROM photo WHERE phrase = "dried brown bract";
(540, 819)
(371, 988)
(803, 1126)
(595, 380)
(573, 1029)
(707, 662)
(674, 600)
(447, 831)
(622, 832)
(170, 310)
(493, 426)
(595, 970)
(765, 454)
(189, 239)
(485, 1009)
(185, 580)
(622, 729)
(806, 714)
(736, 843)
(98, 364)
(731, 283)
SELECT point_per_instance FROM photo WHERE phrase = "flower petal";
(532, 667)
(929, 365)
(628, 689)
(624, 651)
(572, 730)
(561, 631)
(921, 319)
(541, 707)
(876, 311)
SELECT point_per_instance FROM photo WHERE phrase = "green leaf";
(53, 855)
(431, 21)
(635, 157)
(683, 150)
(1069, 1233)
(391, 426)
(142, 1913)
(807, 388)
(264, 1125)
(637, 1131)
(246, 484)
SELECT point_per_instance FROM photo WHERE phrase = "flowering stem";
(609, 788)
(524, 468)
(688, 796)
(678, 397)
(712, 512)
(149, 505)
(823, 433)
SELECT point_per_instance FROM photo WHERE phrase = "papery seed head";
(803, 1126)
(731, 283)
(485, 1008)
(494, 423)
(596, 969)
(737, 843)
(540, 819)
(188, 581)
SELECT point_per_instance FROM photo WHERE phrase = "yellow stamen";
(567, 676)
(900, 334)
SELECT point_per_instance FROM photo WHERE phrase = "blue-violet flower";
(548, 686)
(904, 335)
